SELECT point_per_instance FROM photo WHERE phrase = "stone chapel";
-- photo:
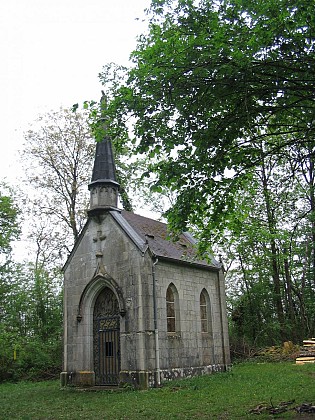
(139, 307)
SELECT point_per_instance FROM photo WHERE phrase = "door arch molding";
(92, 290)
(85, 313)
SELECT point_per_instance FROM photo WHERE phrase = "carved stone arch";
(93, 289)
(86, 310)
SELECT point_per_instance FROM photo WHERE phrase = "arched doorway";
(106, 338)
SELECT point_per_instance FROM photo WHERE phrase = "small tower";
(104, 186)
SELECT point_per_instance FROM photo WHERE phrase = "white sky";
(51, 52)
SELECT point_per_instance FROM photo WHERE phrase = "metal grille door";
(106, 338)
(108, 360)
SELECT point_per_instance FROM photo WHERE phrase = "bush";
(38, 360)
(35, 360)
(6, 356)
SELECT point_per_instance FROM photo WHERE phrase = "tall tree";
(208, 82)
(269, 244)
(9, 231)
(58, 155)
(221, 97)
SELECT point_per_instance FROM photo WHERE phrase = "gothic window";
(204, 311)
(172, 309)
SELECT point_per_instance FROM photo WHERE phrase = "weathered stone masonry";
(138, 307)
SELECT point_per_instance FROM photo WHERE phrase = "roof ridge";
(144, 217)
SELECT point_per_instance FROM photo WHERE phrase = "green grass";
(229, 395)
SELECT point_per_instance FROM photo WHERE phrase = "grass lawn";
(229, 395)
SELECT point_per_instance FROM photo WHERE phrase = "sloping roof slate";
(157, 237)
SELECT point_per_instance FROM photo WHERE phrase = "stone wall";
(106, 256)
(189, 346)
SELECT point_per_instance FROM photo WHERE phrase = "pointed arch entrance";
(106, 338)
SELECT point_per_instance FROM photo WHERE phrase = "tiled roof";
(160, 242)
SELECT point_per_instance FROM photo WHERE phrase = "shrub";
(35, 360)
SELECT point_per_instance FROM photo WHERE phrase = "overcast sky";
(51, 53)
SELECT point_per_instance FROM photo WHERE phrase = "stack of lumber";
(307, 353)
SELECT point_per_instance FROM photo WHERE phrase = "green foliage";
(9, 227)
(270, 244)
(28, 358)
(208, 83)
(31, 324)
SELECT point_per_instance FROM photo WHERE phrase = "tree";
(31, 323)
(30, 306)
(220, 96)
(9, 231)
(208, 83)
(58, 155)
(9, 226)
(269, 245)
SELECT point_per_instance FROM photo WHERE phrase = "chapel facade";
(139, 307)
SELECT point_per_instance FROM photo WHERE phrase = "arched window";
(205, 311)
(172, 309)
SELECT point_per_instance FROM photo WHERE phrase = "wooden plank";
(301, 362)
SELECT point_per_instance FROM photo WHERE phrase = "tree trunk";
(274, 257)
(288, 283)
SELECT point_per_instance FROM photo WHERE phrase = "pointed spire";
(104, 165)
(104, 186)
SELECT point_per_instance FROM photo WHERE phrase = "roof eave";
(186, 262)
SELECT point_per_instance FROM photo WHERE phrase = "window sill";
(173, 335)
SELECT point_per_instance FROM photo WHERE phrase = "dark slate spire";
(104, 186)
(104, 165)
